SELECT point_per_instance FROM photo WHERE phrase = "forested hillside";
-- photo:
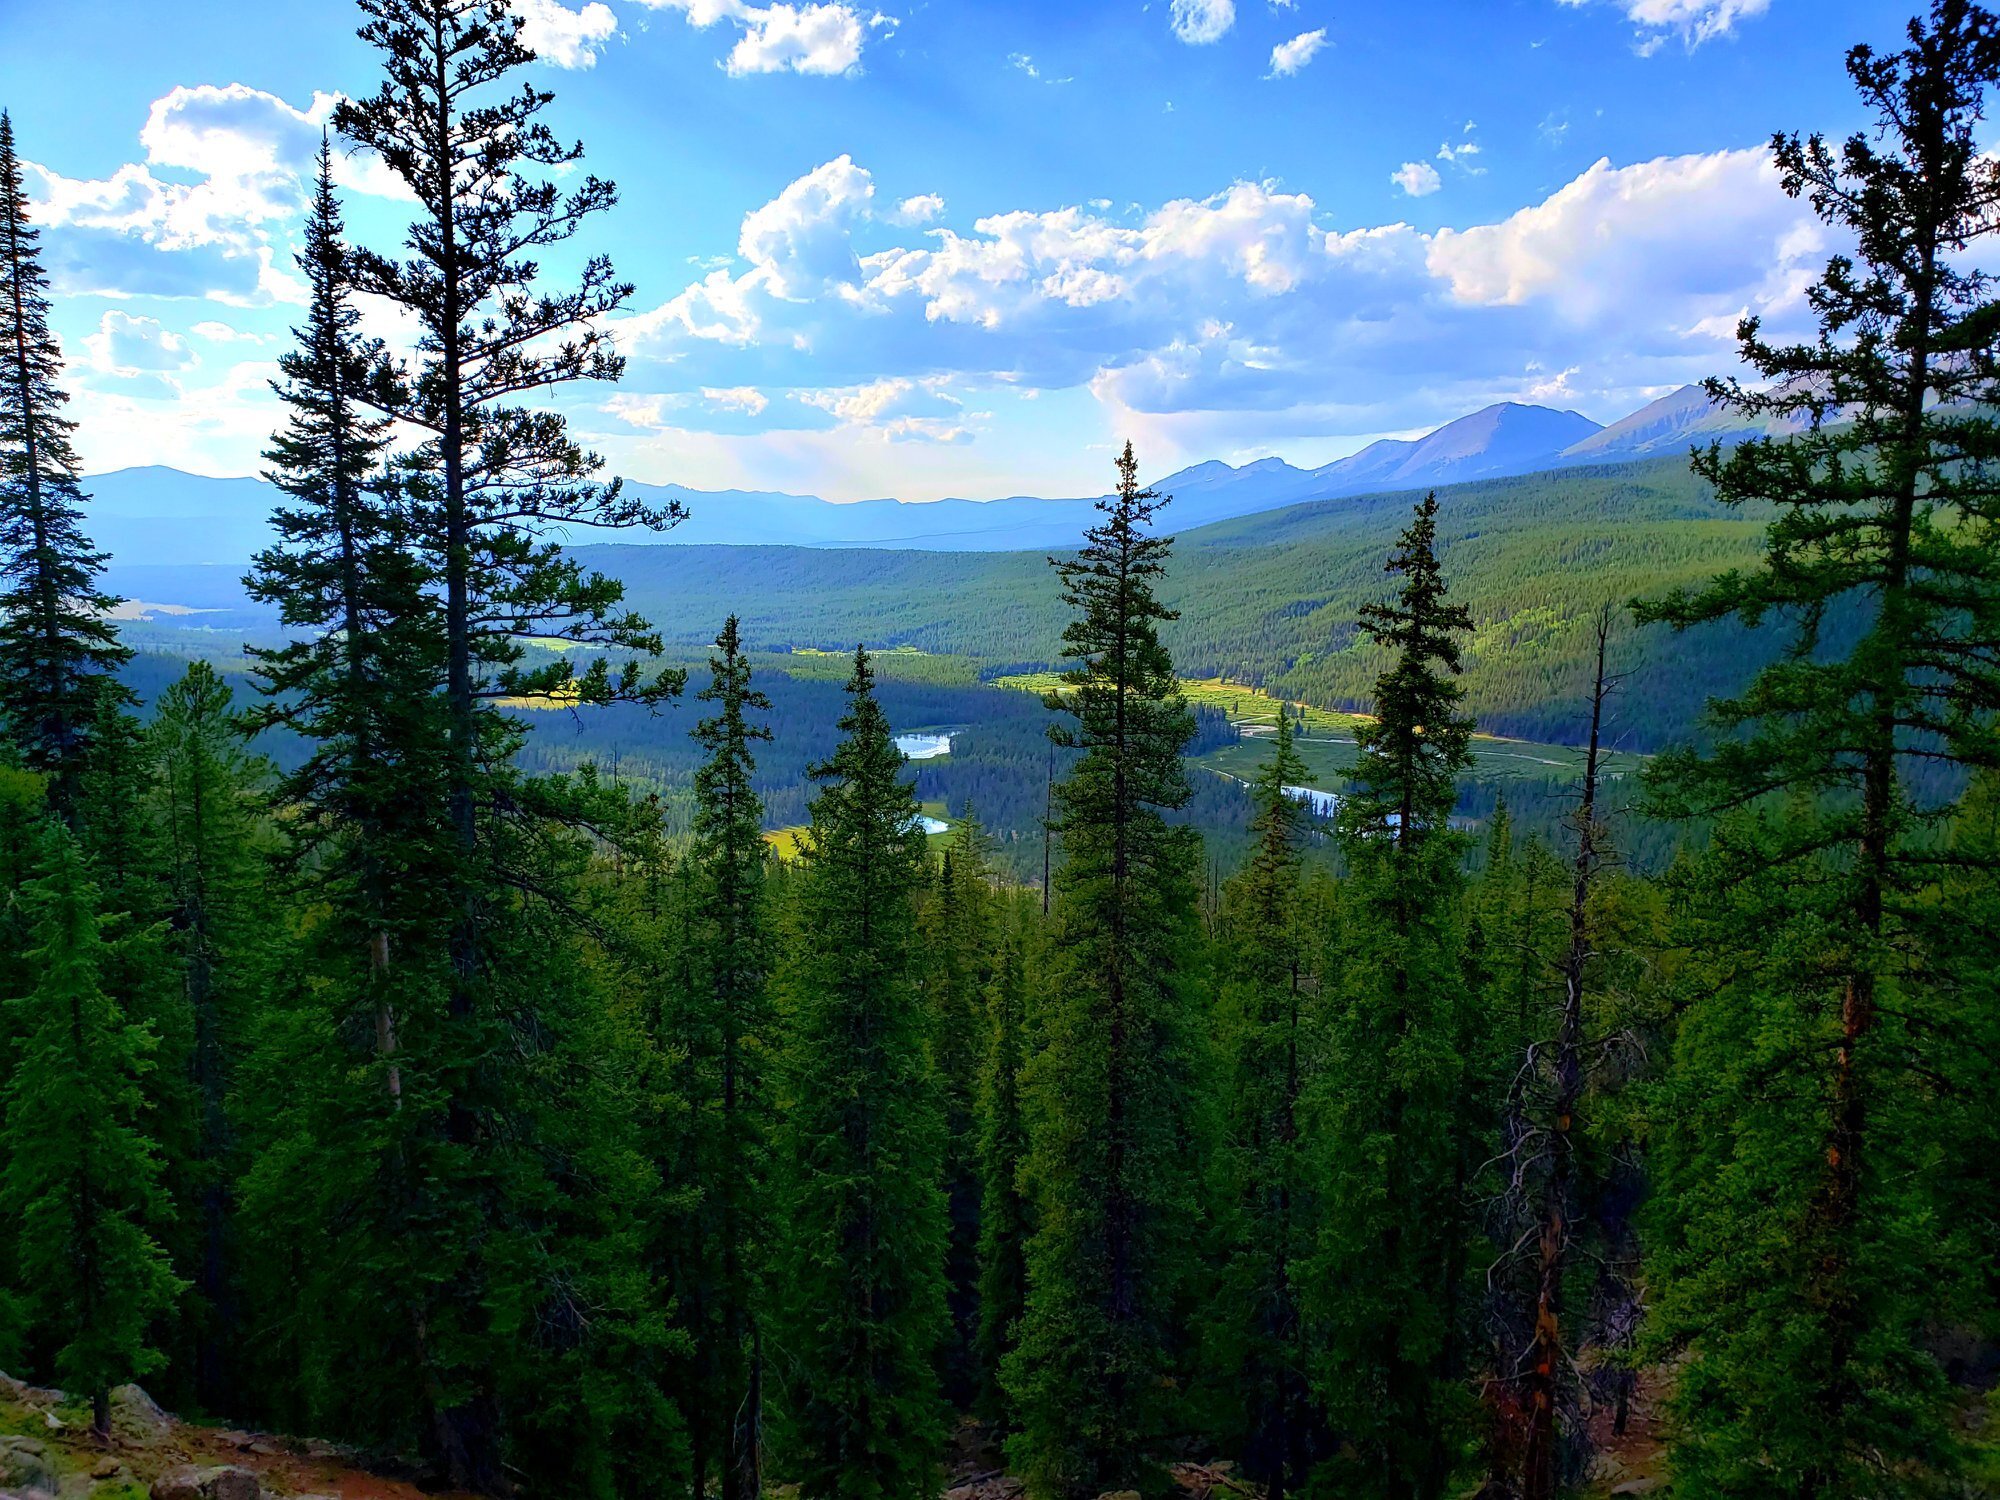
(1270, 600)
(518, 1018)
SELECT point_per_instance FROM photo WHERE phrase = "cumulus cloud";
(124, 345)
(1691, 21)
(743, 398)
(921, 209)
(1199, 22)
(896, 409)
(824, 36)
(1677, 228)
(562, 37)
(1417, 178)
(222, 236)
(1288, 57)
(1241, 313)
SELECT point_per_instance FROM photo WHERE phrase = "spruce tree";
(730, 1033)
(1112, 1097)
(495, 477)
(58, 647)
(957, 938)
(862, 1263)
(488, 482)
(81, 1180)
(358, 678)
(1257, 1343)
(223, 943)
(1804, 1065)
(1390, 1111)
(1002, 1148)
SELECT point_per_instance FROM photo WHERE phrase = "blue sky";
(965, 247)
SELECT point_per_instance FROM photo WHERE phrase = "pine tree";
(496, 477)
(1002, 1148)
(1391, 1110)
(223, 942)
(1258, 1345)
(1112, 1096)
(487, 484)
(58, 647)
(81, 1180)
(730, 1033)
(332, 1203)
(957, 942)
(862, 1264)
(1807, 1373)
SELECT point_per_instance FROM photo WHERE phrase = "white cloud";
(1691, 21)
(744, 398)
(1023, 63)
(1288, 57)
(1199, 22)
(562, 37)
(1664, 230)
(1462, 153)
(1417, 178)
(896, 409)
(222, 333)
(224, 236)
(922, 209)
(124, 346)
(822, 38)
(1243, 317)
(800, 239)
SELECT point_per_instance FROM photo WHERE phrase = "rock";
(25, 1469)
(105, 1468)
(1644, 1485)
(190, 1483)
(137, 1417)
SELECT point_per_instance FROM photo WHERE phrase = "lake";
(924, 746)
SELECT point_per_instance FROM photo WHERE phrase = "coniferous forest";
(419, 1098)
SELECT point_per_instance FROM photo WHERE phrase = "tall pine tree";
(862, 1263)
(730, 1031)
(58, 647)
(1257, 1344)
(1112, 1097)
(224, 942)
(1386, 1277)
(1802, 1070)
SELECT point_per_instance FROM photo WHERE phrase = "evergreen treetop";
(1411, 753)
(58, 647)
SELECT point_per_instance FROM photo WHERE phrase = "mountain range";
(163, 516)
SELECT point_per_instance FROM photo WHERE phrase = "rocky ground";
(47, 1452)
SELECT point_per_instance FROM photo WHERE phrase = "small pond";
(924, 746)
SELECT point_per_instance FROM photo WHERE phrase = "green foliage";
(727, 1026)
(1397, 1140)
(956, 926)
(1004, 1217)
(1803, 1253)
(81, 1180)
(57, 646)
(1257, 1347)
(1112, 1098)
(861, 1286)
(224, 945)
